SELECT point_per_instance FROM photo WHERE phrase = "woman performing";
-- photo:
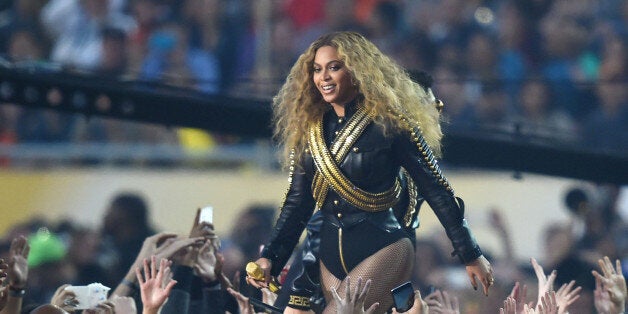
(349, 119)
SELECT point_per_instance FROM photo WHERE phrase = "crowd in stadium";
(547, 68)
(206, 265)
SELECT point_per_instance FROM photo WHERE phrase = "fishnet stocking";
(387, 268)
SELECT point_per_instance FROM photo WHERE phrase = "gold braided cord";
(360, 198)
(319, 189)
(349, 134)
(334, 178)
(413, 193)
(340, 148)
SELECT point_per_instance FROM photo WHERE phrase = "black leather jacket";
(372, 165)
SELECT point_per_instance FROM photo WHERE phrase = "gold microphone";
(256, 272)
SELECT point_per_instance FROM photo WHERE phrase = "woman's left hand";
(480, 269)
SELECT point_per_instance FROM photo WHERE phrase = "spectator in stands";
(606, 127)
(23, 14)
(513, 35)
(171, 58)
(148, 14)
(36, 125)
(561, 255)
(126, 224)
(538, 115)
(492, 109)
(47, 266)
(384, 26)
(76, 28)
(8, 135)
(253, 229)
(114, 60)
(83, 247)
(564, 41)
(448, 87)
(23, 44)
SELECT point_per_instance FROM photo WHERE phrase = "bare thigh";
(387, 268)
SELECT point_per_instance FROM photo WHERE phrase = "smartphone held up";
(403, 297)
(207, 215)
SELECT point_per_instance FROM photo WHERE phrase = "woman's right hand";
(265, 264)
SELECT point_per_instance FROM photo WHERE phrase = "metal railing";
(259, 154)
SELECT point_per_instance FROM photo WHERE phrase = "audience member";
(155, 284)
(125, 226)
(76, 28)
(171, 58)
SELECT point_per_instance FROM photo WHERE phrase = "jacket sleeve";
(416, 157)
(296, 210)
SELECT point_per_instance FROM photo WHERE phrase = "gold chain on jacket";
(329, 174)
(426, 152)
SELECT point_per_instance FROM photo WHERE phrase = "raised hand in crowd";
(519, 294)
(124, 305)
(610, 288)
(548, 304)
(566, 295)
(268, 296)
(353, 303)
(510, 307)
(204, 264)
(162, 246)
(155, 284)
(442, 302)
(17, 273)
(4, 293)
(18, 264)
(106, 307)
(546, 283)
(203, 229)
(498, 223)
(224, 281)
(243, 302)
(64, 299)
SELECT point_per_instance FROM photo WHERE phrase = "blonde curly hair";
(385, 89)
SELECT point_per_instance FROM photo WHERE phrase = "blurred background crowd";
(543, 68)
(65, 252)
(546, 69)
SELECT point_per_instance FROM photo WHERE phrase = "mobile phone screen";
(207, 214)
(403, 297)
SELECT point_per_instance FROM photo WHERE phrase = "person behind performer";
(349, 118)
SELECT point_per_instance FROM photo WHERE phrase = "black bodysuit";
(372, 164)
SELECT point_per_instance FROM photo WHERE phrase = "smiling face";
(332, 78)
